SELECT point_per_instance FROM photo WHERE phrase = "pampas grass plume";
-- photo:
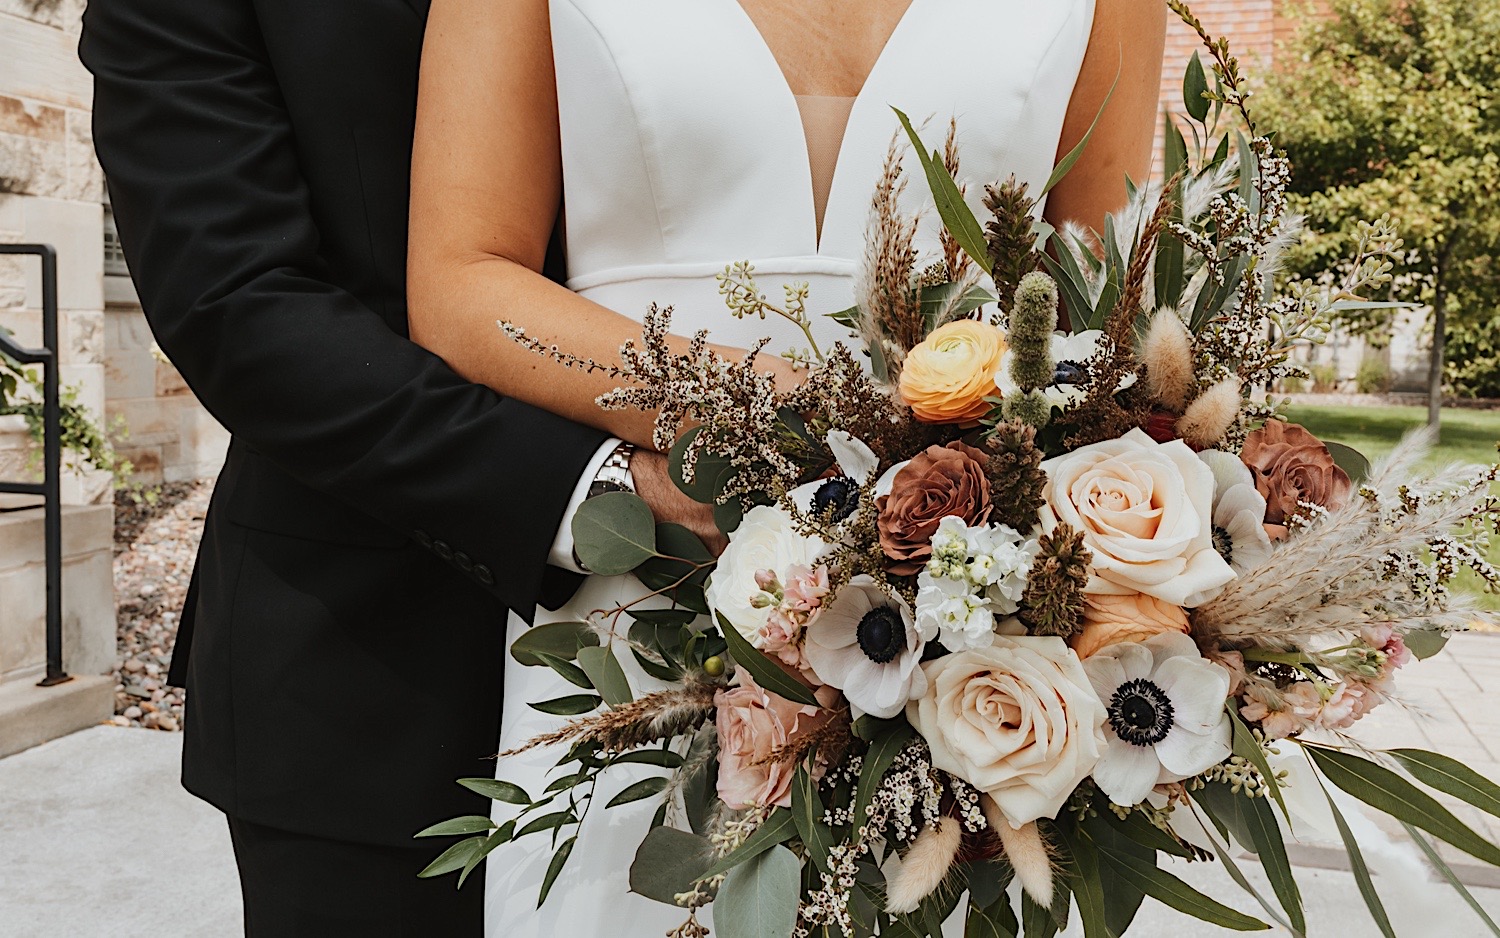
(925, 866)
(1167, 353)
(1026, 850)
(1211, 415)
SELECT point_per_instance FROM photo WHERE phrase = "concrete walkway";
(98, 839)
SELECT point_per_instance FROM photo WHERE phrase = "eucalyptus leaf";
(1246, 747)
(497, 790)
(603, 669)
(559, 860)
(645, 788)
(711, 472)
(468, 824)
(1064, 165)
(1360, 869)
(1451, 877)
(850, 318)
(776, 829)
(1171, 891)
(887, 739)
(759, 898)
(1233, 869)
(547, 822)
(988, 880)
(767, 673)
(1424, 643)
(1194, 85)
(1384, 790)
(567, 670)
(1450, 776)
(995, 920)
(807, 812)
(497, 839)
(1036, 919)
(452, 859)
(559, 639)
(614, 533)
(664, 758)
(1081, 861)
(1349, 459)
(1255, 827)
(957, 217)
(570, 706)
(668, 862)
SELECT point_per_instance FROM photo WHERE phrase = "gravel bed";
(155, 543)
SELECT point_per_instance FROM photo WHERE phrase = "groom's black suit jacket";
(343, 643)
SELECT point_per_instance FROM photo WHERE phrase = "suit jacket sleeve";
(215, 218)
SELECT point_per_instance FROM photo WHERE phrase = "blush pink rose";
(753, 724)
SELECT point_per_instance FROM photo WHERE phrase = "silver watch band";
(616, 467)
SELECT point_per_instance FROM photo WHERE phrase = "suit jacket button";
(442, 549)
(483, 574)
(462, 561)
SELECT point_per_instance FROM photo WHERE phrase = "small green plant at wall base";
(1373, 377)
(1325, 378)
(84, 443)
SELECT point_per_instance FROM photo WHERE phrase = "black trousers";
(298, 886)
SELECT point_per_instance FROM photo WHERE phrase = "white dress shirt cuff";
(562, 544)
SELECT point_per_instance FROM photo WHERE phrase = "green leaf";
(850, 318)
(645, 788)
(559, 639)
(1349, 459)
(559, 860)
(987, 881)
(1066, 163)
(1036, 919)
(710, 474)
(777, 828)
(497, 790)
(1136, 828)
(1384, 790)
(569, 706)
(887, 739)
(995, 920)
(1450, 776)
(614, 533)
(934, 299)
(767, 673)
(1171, 253)
(759, 898)
(807, 812)
(954, 211)
(1214, 295)
(1447, 873)
(699, 794)
(1360, 870)
(1194, 84)
(1071, 285)
(498, 839)
(668, 862)
(547, 822)
(1424, 643)
(1255, 827)
(1234, 872)
(1246, 747)
(683, 578)
(665, 758)
(569, 671)
(1171, 891)
(452, 859)
(1082, 864)
(468, 824)
(603, 669)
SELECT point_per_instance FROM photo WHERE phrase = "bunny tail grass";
(1026, 850)
(925, 865)
(1167, 353)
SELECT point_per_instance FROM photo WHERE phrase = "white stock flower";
(1165, 717)
(766, 539)
(949, 610)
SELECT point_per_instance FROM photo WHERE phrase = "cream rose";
(1109, 619)
(1018, 720)
(766, 539)
(1145, 509)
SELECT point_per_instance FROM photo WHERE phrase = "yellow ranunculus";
(947, 378)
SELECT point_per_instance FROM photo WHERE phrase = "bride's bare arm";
(1127, 41)
(486, 187)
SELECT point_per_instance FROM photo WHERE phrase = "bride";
(664, 139)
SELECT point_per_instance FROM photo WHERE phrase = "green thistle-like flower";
(1031, 408)
(1010, 235)
(1015, 475)
(1053, 601)
(1033, 317)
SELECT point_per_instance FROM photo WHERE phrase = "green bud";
(713, 666)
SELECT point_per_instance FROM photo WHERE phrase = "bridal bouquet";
(1029, 582)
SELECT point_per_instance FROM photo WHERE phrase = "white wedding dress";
(684, 150)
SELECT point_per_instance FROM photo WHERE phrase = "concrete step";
(31, 715)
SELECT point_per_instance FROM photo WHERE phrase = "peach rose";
(1146, 513)
(752, 724)
(1126, 617)
(938, 482)
(1291, 465)
(1018, 720)
(947, 378)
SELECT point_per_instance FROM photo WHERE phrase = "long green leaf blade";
(889, 739)
(1360, 870)
(1238, 876)
(767, 673)
(1384, 790)
(1451, 777)
(1172, 891)
(1246, 747)
(604, 671)
(1253, 817)
(1447, 873)
(1066, 163)
(952, 208)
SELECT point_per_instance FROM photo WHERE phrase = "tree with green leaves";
(1389, 106)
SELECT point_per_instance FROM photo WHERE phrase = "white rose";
(1145, 510)
(1018, 720)
(766, 539)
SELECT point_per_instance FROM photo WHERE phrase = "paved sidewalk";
(98, 839)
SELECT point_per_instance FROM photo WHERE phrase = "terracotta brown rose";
(941, 481)
(1291, 465)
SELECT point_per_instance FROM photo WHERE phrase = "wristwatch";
(613, 476)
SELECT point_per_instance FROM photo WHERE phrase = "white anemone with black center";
(866, 645)
(1239, 512)
(1165, 714)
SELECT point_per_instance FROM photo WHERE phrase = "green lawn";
(1467, 436)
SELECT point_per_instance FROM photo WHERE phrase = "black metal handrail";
(50, 488)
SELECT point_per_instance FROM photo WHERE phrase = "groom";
(377, 515)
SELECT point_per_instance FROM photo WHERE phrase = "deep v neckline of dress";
(788, 104)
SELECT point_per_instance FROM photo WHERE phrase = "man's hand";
(653, 482)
